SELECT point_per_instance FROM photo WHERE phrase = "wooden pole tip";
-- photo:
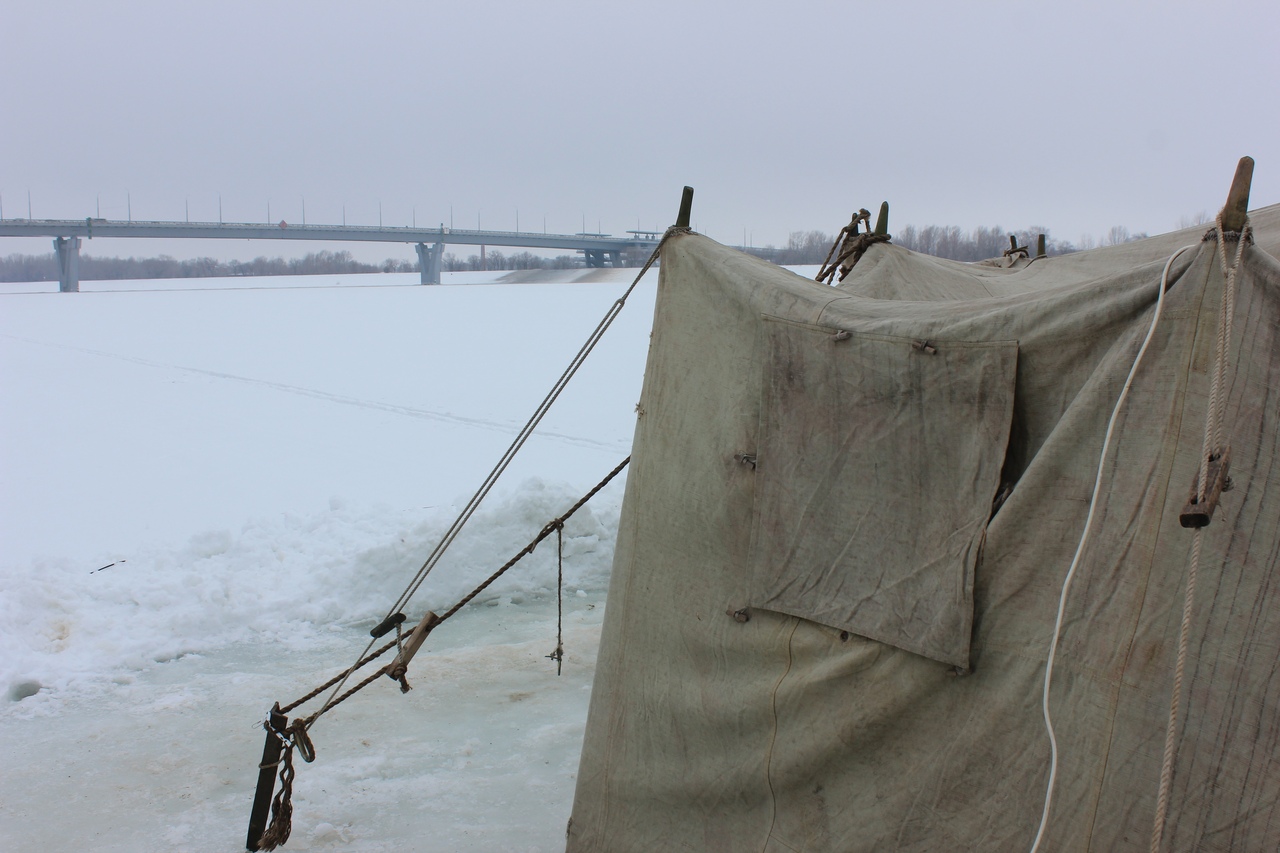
(882, 221)
(1236, 210)
(686, 208)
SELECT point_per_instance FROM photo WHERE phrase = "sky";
(563, 115)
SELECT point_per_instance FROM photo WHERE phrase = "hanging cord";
(519, 441)
(556, 526)
(1084, 538)
(1213, 438)
(558, 654)
(281, 826)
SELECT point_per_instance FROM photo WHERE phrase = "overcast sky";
(783, 115)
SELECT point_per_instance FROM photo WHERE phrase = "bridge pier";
(68, 252)
(429, 259)
(598, 258)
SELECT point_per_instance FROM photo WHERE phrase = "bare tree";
(1200, 218)
(1115, 235)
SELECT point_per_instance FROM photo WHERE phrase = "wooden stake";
(261, 810)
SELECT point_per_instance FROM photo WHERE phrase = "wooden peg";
(686, 208)
(386, 625)
(400, 665)
(1236, 210)
(1041, 247)
(882, 221)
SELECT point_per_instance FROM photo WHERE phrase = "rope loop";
(298, 734)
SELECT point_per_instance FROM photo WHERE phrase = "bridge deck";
(284, 231)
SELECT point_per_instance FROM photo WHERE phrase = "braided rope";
(346, 673)
(1213, 437)
(554, 526)
(277, 833)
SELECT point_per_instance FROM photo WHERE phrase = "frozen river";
(210, 490)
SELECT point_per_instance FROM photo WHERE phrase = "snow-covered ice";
(210, 490)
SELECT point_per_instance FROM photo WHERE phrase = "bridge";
(598, 250)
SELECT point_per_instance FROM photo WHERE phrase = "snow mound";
(302, 581)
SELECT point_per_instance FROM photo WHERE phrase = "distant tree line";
(952, 242)
(45, 267)
(496, 260)
(803, 247)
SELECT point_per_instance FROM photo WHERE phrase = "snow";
(211, 489)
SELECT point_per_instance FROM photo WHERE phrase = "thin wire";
(1084, 537)
(525, 432)
(559, 652)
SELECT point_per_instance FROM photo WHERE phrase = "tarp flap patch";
(878, 461)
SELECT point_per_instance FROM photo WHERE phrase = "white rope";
(1213, 437)
(1084, 538)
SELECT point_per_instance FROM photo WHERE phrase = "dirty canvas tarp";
(823, 463)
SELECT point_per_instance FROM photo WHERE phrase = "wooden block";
(1196, 514)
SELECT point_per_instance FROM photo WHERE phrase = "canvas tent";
(823, 635)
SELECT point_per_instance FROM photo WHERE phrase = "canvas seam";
(773, 738)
